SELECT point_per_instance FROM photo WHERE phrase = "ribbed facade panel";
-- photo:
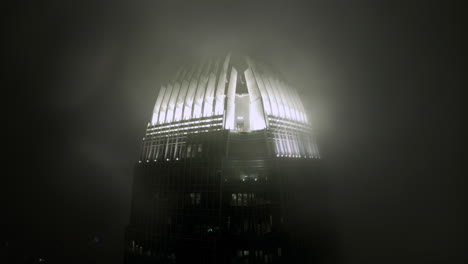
(163, 109)
(263, 93)
(231, 97)
(221, 88)
(270, 94)
(257, 116)
(191, 94)
(181, 99)
(172, 103)
(279, 102)
(210, 89)
(202, 83)
(157, 105)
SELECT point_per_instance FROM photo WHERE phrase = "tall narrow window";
(189, 150)
(233, 199)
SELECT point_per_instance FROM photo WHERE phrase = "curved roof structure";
(233, 94)
(236, 89)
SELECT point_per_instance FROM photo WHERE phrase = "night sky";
(381, 81)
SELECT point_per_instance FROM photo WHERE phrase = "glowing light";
(181, 99)
(271, 96)
(231, 98)
(198, 101)
(263, 90)
(172, 102)
(163, 108)
(221, 89)
(189, 98)
(257, 116)
(209, 96)
(157, 105)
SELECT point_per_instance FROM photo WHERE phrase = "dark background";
(382, 82)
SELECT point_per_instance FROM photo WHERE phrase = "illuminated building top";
(202, 90)
(235, 94)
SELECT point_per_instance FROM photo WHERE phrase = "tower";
(227, 163)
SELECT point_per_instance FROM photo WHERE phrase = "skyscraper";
(227, 165)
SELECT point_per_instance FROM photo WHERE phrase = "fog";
(380, 83)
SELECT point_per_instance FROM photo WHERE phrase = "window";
(195, 198)
(240, 125)
(233, 199)
(242, 199)
(242, 253)
(189, 149)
